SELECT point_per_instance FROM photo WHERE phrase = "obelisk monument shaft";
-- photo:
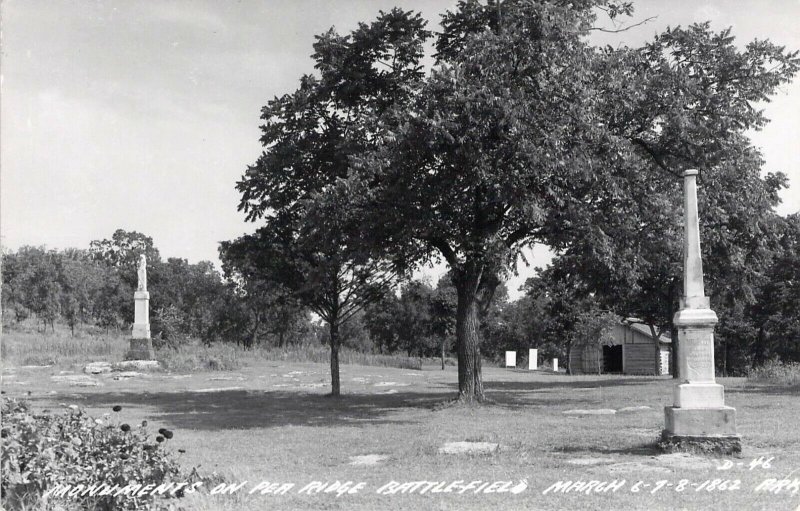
(698, 418)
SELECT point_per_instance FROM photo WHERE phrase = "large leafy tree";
(479, 164)
(683, 101)
(775, 314)
(256, 304)
(524, 133)
(308, 240)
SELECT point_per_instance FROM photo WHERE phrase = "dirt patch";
(77, 380)
(590, 461)
(684, 461)
(219, 389)
(636, 466)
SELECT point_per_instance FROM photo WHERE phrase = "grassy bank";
(27, 345)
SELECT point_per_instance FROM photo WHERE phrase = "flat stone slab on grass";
(141, 365)
(391, 384)
(469, 448)
(368, 459)
(97, 368)
(634, 409)
(596, 411)
(125, 375)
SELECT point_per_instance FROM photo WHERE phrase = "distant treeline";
(95, 286)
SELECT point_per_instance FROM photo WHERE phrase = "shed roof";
(633, 324)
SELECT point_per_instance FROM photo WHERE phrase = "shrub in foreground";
(41, 451)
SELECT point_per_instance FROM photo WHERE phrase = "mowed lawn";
(271, 421)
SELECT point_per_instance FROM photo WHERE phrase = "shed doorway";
(612, 359)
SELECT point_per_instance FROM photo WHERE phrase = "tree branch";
(616, 31)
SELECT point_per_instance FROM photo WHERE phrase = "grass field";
(271, 421)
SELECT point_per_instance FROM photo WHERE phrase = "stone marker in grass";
(533, 359)
(698, 419)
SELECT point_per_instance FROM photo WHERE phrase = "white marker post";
(511, 359)
(533, 359)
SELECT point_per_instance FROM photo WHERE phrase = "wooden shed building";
(632, 351)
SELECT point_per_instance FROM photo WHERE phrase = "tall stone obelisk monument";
(698, 419)
(141, 347)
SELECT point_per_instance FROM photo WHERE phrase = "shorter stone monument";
(555, 365)
(511, 359)
(141, 346)
(533, 359)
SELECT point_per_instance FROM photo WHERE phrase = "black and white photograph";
(400, 254)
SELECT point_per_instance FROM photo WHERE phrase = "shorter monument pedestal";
(141, 346)
(140, 349)
(699, 421)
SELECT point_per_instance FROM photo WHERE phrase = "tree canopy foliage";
(525, 133)
(522, 132)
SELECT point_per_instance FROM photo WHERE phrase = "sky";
(142, 115)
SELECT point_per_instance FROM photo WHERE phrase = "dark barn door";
(612, 359)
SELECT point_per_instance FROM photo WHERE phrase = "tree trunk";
(656, 341)
(470, 384)
(760, 350)
(334, 331)
(443, 341)
(569, 359)
(725, 354)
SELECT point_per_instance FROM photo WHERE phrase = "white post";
(511, 359)
(555, 365)
(533, 359)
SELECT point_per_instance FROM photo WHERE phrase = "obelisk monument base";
(699, 421)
